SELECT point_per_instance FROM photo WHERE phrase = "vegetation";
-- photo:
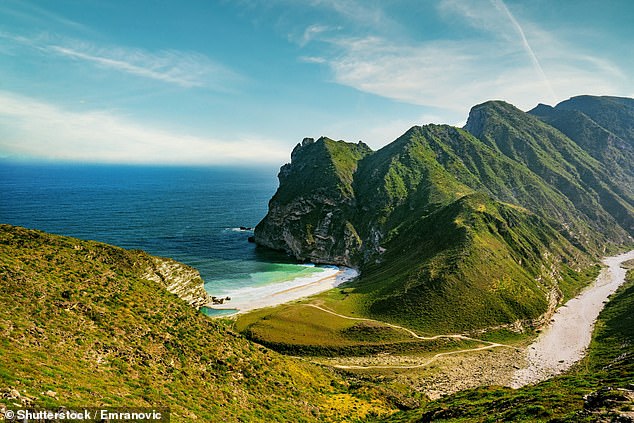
(299, 329)
(479, 231)
(562, 164)
(599, 388)
(472, 264)
(80, 326)
(602, 126)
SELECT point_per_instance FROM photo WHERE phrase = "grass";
(78, 318)
(298, 329)
(608, 366)
(476, 266)
(473, 264)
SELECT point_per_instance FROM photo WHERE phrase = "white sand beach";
(247, 299)
(565, 340)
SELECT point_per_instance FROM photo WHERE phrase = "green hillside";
(561, 163)
(609, 138)
(316, 186)
(456, 164)
(474, 263)
(599, 388)
(81, 325)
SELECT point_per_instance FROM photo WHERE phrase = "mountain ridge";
(571, 210)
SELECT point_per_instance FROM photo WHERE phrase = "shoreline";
(248, 299)
(565, 340)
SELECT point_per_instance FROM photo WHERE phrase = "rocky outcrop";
(179, 279)
(309, 216)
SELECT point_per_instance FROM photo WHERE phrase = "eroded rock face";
(179, 279)
(310, 228)
(309, 216)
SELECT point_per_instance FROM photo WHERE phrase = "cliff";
(179, 279)
(308, 216)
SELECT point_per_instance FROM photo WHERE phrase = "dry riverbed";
(564, 341)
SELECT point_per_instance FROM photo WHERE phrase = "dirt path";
(565, 340)
(488, 345)
(418, 366)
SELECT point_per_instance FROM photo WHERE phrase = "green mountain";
(474, 263)
(560, 162)
(496, 221)
(602, 126)
(314, 203)
(87, 324)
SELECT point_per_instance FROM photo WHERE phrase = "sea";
(191, 214)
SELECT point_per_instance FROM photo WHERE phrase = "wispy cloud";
(538, 67)
(35, 15)
(357, 11)
(33, 129)
(495, 17)
(181, 68)
(311, 32)
(504, 59)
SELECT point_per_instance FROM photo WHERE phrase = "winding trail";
(415, 335)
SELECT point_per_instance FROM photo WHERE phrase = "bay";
(190, 214)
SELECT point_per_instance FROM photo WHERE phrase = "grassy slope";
(450, 266)
(77, 318)
(325, 166)
(300, 330)
(616, 114)
(560, 162)
(434, 276)
(401, 180)
(600, 142)
(609, 363)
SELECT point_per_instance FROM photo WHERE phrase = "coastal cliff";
(88, 323)
(309, 215)
(179, 279)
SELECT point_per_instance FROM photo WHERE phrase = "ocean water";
(192, 215)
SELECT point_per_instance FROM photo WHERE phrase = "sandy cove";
(276, 294)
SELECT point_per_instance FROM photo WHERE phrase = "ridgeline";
(463, 229)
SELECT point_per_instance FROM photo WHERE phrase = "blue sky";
(241, 82)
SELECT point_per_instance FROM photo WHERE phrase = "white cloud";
(33, 129)
(506, 59)
(182, 68)
(311, 32)
(313, 59)
(360, 12)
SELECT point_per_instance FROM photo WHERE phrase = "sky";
(203, 82)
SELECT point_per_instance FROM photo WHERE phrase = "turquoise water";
(190, 214)
(212, 312)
